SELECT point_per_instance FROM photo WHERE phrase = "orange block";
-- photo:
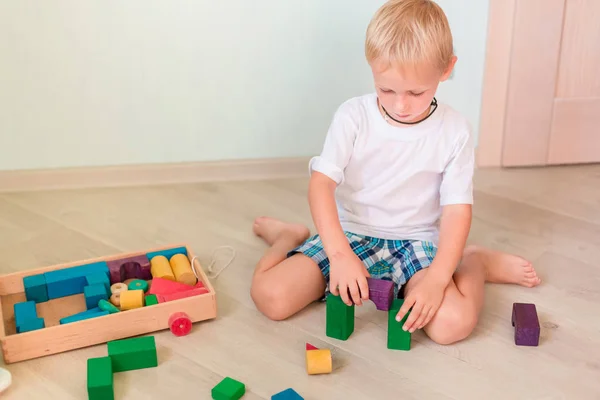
(131, 299)
(318, 362)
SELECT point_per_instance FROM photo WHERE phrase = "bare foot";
(505, 268)
(271, 230)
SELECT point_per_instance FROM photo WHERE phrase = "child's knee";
(452, 325)
(270, 300)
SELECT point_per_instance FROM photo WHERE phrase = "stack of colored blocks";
(123, 355)
(340, 317)
(26, 318)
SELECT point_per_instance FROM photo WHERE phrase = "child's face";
(406, 94)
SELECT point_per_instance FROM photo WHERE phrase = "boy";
(391, 194)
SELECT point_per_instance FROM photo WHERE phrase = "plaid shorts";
(395, 260)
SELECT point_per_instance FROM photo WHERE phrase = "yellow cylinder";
(318, 362)
(182, 269)
(160, 268)
(131, 299)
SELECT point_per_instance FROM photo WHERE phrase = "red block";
(311, 347)
(180, 324)
(164, 287)
(181, 295)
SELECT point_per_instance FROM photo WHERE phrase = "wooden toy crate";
(56, 338)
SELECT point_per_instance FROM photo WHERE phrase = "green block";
(228, 389)
(151, 300)
(100, 379)
(340, 318)
(397, 339)
(133, 353)
(107, 306)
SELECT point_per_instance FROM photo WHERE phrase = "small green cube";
(100, 379)
(228, 389)
(339, 318)
(133, 353)
(151, 300)
(397, 339)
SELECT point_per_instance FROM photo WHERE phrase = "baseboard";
(154, 174)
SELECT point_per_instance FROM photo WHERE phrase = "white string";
(213, 262)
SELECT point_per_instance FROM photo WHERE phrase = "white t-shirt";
(393, 181)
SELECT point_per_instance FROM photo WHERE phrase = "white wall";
(88, 83)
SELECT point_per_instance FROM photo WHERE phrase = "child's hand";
(348, 278)
(425, 299)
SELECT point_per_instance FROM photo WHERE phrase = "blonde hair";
(410, 33)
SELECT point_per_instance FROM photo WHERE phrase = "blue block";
(98, 278)
(288, 394)
(24, 311)
(91, 313)
(70, 281)
(167, 253)
(35, 288)
(93, 294)
(31, 325)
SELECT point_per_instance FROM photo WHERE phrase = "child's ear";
(449, 70)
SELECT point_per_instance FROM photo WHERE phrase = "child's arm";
(427, 295)
(347, 272)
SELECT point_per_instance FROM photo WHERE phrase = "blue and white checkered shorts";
(395, 260)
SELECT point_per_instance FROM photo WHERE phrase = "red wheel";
(180, 324)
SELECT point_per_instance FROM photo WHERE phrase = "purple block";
(381, 292)
(526, 323)
(137, 267)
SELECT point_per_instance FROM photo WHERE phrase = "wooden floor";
(551, 216)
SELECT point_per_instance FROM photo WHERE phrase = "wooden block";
(287, 394)
(93, 294)
(381, 292)
(107, 306)
(397, 338)
(131, 299)
(526, 323)
(91, 313)
(182, 269)
(99, 278)
(35, 288)
(118, 287)
(24, 311)
(133, 353)
(31, 325)
(168, 253)
(340, 318)
(164, 286)
(69, 281)
(181, 295)
(100, 384)
(318, 362)
(150, 300)
(138, 284)
(228, 389)
(161, 268)
(311, 347)
(135, 267)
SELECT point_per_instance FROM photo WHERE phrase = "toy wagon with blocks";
(69, 306)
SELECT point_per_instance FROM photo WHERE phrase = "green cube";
(397, 338)
(228, 389)
(100, 379)
(151, 300)
(340, 318)
(133, 353)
